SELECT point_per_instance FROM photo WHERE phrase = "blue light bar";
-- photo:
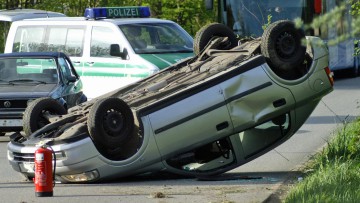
(118, 12)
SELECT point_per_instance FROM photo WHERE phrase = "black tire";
(2, 134)
(33, 116)
(110, 123)
(282, 47)
(206, 33)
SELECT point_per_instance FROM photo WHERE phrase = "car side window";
(138, 36)
(29, 39)
(66, 70)
(69, 40)
(101, 39)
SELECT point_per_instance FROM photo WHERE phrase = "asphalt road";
(253, 182)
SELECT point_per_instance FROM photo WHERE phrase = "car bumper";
(75, 157)
(11, 121)
(80, 161)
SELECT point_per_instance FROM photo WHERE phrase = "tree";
(190, 14)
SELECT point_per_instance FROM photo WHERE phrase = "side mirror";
(115, 51)
(209, 4)
(71, 78)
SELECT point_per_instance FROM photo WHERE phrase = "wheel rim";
(113, 122)
(286, 45)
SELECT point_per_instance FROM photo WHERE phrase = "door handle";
(222, 126)
(279, 102)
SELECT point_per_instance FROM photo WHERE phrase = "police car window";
(137, 36)
(156, 38)
(101, 39)
(69, 40)
(66, 39)
(29, 39)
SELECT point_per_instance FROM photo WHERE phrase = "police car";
(11, 15)
(201, 117)
(109, 47)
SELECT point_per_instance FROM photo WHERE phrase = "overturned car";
(203, 116)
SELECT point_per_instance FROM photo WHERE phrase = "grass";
(334, 173)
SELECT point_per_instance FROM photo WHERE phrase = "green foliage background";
(190, 14)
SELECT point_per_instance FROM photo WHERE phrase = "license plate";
(28, 167)
(11, 122)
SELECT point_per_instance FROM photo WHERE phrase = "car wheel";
(34, 118)
(206, 33)
(2, 134)
(282, 47)
(110, 123)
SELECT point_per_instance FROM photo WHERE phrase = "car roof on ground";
(20, 14)
(33, 54)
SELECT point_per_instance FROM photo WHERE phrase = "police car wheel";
(110, 123)
(282, 47)
(208, 32)
(34, 119)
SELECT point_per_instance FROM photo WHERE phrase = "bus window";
(249, 18)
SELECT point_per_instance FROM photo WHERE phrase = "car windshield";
(28, 70)
(159, 38)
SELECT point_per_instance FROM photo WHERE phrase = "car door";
(191, 122)
(112, 71)
(72, 85)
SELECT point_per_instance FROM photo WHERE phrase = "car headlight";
(60, 155)
(82, 177)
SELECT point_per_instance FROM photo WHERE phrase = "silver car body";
(237, 103)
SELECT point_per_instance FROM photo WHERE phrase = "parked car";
(203, 116)
(25, 77)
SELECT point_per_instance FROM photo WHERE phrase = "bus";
(249, 18)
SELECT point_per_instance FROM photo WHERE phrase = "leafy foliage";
(190, 14)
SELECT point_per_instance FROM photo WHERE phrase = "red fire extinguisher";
(43, 172)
